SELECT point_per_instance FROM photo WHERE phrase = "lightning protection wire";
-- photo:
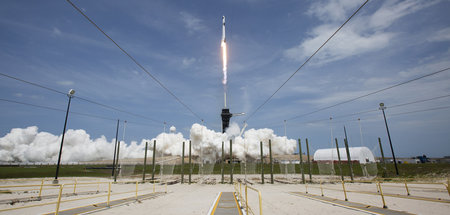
(397, 114)
(270, 97)
(375, 110)
(56, 109)
(72, 112)
(372, 93)
(81, 98)
(134, 60)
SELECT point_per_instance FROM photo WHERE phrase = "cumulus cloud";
(440, 36)
(365, 32)
(191, 22)
(30, 145)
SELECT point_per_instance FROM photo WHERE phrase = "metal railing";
(60, 191)
(379, 189)
(244, 199)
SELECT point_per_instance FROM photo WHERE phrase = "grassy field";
(429, 170)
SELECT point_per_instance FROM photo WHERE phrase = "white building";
(361, 154)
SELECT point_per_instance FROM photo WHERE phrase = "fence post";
(306, 187)
(240, 189)
(75, 186)
(382, 196)
(154, 187)
(406, 186)
(136, 190)
(448, 188)
(321, 188)
(40, 190)
(166, 186)
(260, 202)
(345, 192)
(61, 186)
(246, 200)
(109, 194)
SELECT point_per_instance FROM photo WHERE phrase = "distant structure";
(361, 154)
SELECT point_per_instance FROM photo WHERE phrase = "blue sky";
(387, 42)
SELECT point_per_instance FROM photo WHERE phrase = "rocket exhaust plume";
(224, 61)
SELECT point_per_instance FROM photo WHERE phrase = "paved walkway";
(353, 205)
(103, 206)
(226, 204)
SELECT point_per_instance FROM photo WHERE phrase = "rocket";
(223, 30)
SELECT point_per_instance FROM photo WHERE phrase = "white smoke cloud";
(30, 145)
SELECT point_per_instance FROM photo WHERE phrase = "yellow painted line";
(217, 203)
(345, 206)
(99, 207)
(237, 204)
(419, 198)
(396, 196)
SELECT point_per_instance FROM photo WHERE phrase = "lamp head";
(71, 92)
(381, 104)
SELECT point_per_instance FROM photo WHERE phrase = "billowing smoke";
(30, 145)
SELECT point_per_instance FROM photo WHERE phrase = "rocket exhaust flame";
(224, 61)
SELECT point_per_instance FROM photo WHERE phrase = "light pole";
(382, 107)
(70, 95)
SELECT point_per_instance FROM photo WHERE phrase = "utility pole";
(309, 161)
(382, 107)
(70, 95)
(301, 160)
(262, 162)
(115, 148)
(182, 165)
(145, 162)
(339, 159)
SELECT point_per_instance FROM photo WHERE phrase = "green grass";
(431, 170)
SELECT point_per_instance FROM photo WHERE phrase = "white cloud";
(332, 10)
(440, 36)
(18, 94)
(188, 61)
(56, 31)
(192, 23)
(65, 83)
(364, 33)
(391, 11)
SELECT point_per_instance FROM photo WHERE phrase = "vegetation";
(430, 170)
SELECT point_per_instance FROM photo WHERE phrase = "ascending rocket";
(223, 30)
